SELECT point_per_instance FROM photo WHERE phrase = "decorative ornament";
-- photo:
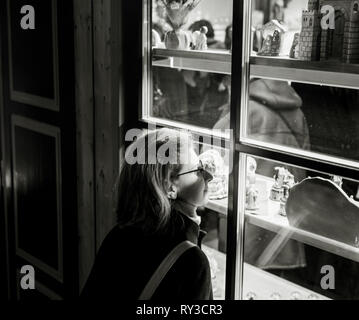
(177, 15)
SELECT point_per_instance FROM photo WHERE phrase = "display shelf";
(267, 217)
(262, 283)
(331, 73)
(214, 61)
(324, 66)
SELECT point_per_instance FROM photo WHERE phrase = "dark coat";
(128, 258)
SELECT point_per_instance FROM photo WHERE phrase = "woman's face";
(192, 187)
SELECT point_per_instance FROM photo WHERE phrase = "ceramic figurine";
(251, 172)
(294, 51)
(282, 178)
(200, 39)
(251, 190)
(177, 12)
(266, 47)
(275, 44)
(283, 200)
(271, 33)
(289, 180)
(337, 180)
(252, 197)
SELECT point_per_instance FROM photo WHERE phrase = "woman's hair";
(143, 184)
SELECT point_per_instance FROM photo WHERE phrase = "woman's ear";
(172, 192)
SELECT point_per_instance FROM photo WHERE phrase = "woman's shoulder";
(119, 237)
(196, 258)
(189, 278)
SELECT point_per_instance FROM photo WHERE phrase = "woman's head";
(160, 169)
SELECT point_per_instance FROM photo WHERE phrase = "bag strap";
(163, 269)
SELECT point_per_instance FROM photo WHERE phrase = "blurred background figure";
(208, 93)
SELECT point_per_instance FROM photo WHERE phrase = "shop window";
(298, 101)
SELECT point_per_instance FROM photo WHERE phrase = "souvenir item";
(251, 190)
(271, 33)
(294, 51)
(283, 180)
(200, 39)
(177, 12)
(252, 198)
(338, 181)
(213, 163)
(283, 200)
(330, 36)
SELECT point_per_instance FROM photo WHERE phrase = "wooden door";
(40, 147)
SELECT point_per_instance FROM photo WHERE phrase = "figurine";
(289, 180)
(280, 176)
(309, 37)
(251, 172)
(271, 33)
(337, 180)
(294, 51)
(251, 190)
(283, 179)
(251, 198)
(266, 47)
(200, 39)
(177, 12)
(283, 200)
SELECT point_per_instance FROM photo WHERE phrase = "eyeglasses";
(206, 175)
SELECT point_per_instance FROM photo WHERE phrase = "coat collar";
(191, 230)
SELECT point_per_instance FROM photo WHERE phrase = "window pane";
(298, 225)
(192, 97)
(310, 117)
(191, 62)
(214, 215)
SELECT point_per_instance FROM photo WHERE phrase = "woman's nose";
(207, 176)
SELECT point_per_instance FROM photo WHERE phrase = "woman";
(157, 202)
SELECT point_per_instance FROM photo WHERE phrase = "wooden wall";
(85, 136)
(98, 100)
(107, 54)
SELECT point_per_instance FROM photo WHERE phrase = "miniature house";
(342, 43)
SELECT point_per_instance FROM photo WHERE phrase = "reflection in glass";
(308, 117)
(192, 97)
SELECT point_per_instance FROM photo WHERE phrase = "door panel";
(37, 189)
(40, 147)
(43, 43)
